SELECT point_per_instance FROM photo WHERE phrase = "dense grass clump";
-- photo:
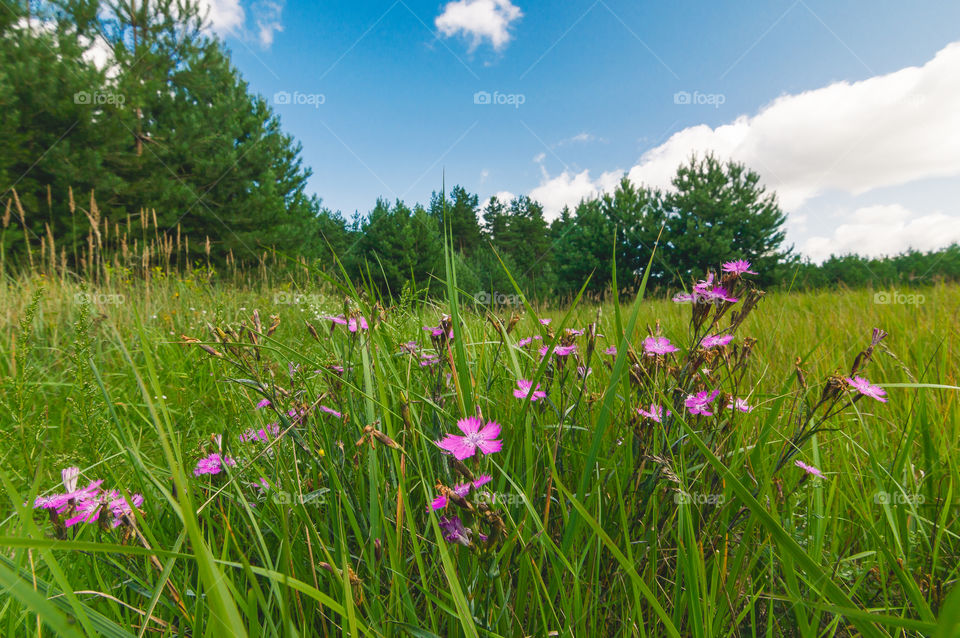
(280, 461)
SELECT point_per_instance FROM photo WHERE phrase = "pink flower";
(477, 436)
(331, 411)
(739, 404)
(429, 360)
(866, 388)
(716, 340)
(612, 351)
(89, 510)
(718, 293)
(583, 372)
(263, 434)
(559, 351)
(357, 323)
(88, 503)
(263, 403)
(437, 331)
(699, 403)
(461, 490)
(409, 347)
(546, 322)
(655, 413)
(809, 469)
(482, 480)
(658, 345)
(336, 320)
(454, 531)
(61, 502)
(213, 464)
(738, 267)
(705, 292)
(523, 390)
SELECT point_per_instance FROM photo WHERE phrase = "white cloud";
(230, 18)
(226, 17)
(505, 197)
(579, 138)
(849, 137)
(886, 229)
(267, 16)
(567, 189)
(479, 20)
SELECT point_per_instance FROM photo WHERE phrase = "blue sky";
(819, 97)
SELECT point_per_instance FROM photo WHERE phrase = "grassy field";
(596, 520)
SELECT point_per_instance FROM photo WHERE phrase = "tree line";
(166, 126)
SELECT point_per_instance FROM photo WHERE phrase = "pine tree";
(718, 212)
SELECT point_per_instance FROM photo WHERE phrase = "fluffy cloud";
(226, 17)
(568, 188)
(849, 137)
(479, 20)
(873, 231)
(267, 16)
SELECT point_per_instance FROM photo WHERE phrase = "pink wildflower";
(357, 323)
(658, 345)
(866, 388)
(716, 340)
(481, 480)
(740, 404)
(809, 469)
(330, 411)
(699, 403)
(738, 267)
(213, 464)
(523, 390)
(477, 436)
(655, 413)
(454, 531)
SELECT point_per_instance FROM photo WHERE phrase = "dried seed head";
(835, 385)
(514, 318)
(274, 324)
(801, 378)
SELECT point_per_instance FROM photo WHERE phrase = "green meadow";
(815, 510)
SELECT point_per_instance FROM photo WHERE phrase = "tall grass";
(603, 523)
